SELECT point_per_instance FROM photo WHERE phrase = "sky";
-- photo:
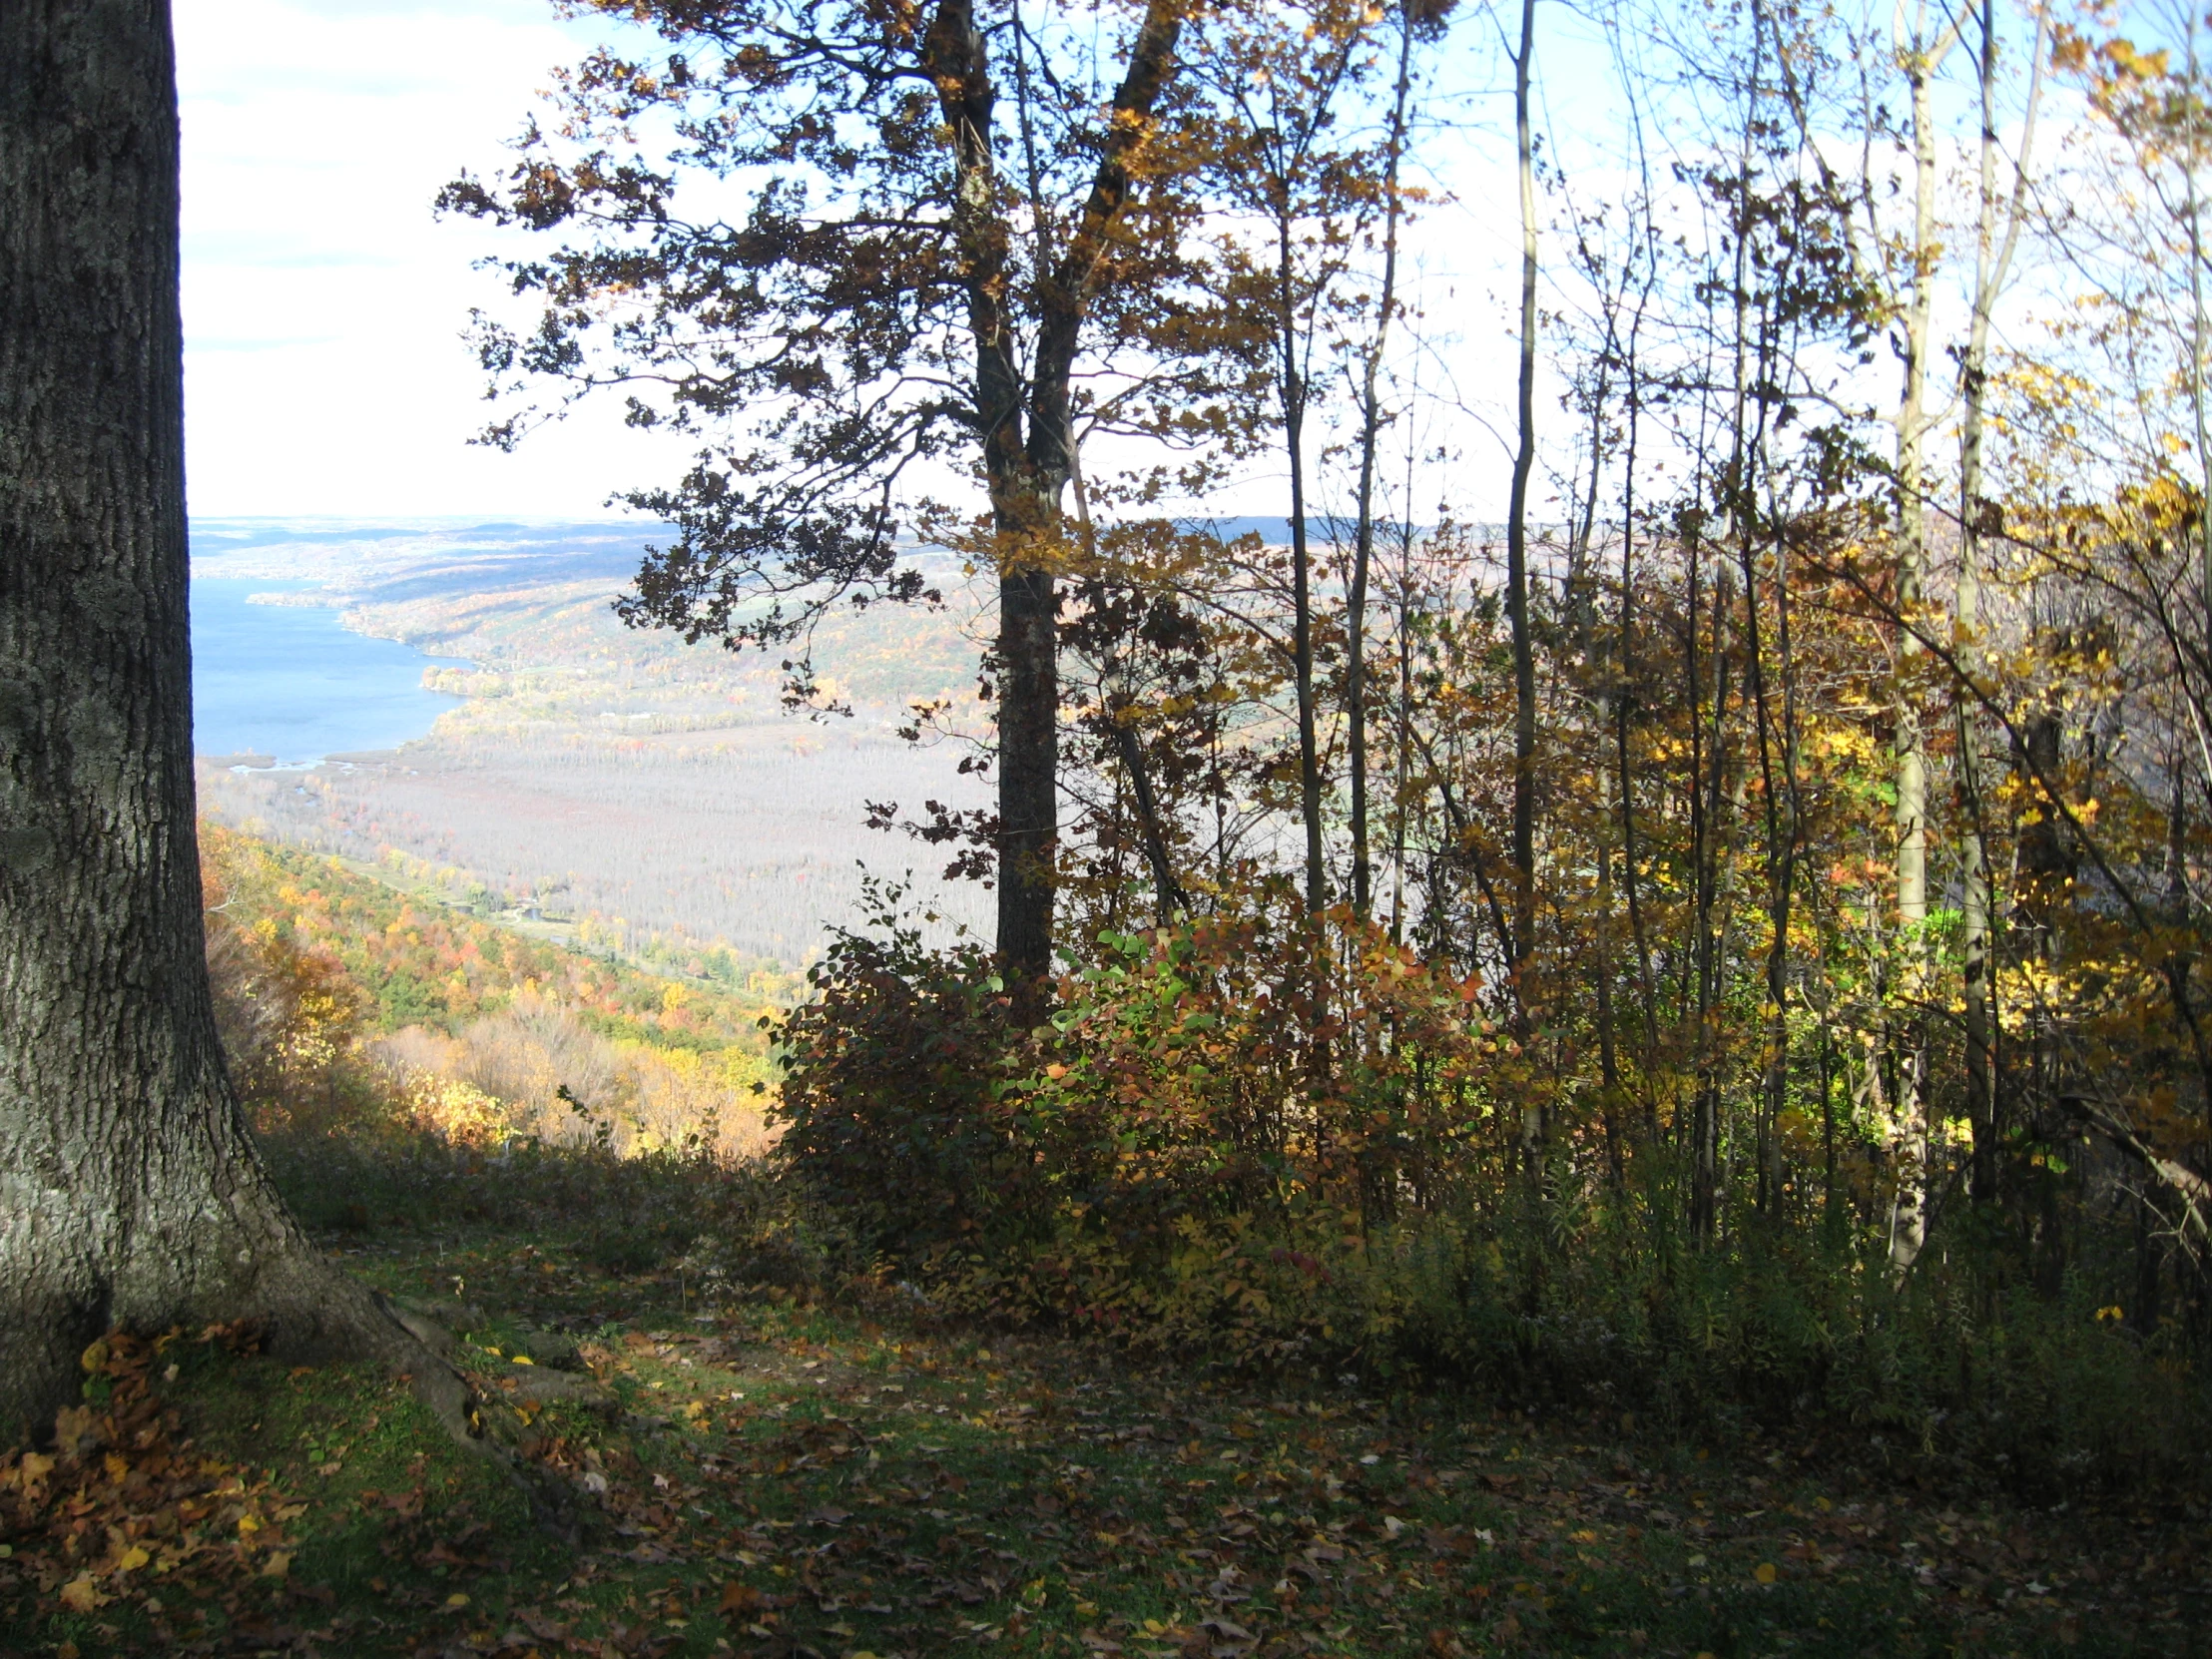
(324, 369)
(324, 303)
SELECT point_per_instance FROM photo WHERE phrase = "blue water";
(289, 681)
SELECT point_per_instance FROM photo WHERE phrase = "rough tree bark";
(130, 1193)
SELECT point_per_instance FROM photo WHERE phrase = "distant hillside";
(421, 956)
(621, 786)
(334, 986)
(357, 563)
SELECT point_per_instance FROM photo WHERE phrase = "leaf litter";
(793, 1483)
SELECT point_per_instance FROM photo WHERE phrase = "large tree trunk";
(129, 1190)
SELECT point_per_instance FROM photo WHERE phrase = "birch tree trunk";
(1908, 1208)
(1993, 262)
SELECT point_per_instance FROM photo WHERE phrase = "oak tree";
(882, 242)
(130, 1193)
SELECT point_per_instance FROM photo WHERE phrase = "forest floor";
(779, 1481)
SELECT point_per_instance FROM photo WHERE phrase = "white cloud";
(323, 303)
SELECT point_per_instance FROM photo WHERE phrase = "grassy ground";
(773, 1480)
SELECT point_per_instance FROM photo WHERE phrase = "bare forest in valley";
(618, 788)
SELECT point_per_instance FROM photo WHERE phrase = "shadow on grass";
(761, 1469)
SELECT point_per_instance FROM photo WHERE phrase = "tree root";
(443, 1389)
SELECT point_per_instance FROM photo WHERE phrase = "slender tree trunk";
(1827, 1123)
(1608, 1050)
(1522, 944)
(1400, 808)
(1911, 1137)
(1583, 606)
(1302, 573)
(1711, 790)
(1371, 437)
(1623, 702)
(1516, 521)
(1975, 520)
(133, 1192)
(1623, 708)
(1776, 740)
(2200, 336)
(1167, 892)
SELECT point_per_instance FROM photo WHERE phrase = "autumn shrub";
(1194, 1152)
(897, 1105)
(527, 1114)
(1224, 1145)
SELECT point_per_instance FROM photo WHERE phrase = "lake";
(290, 682)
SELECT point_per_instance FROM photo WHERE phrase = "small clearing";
(776, 1480)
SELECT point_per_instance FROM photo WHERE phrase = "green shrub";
(896, 1106)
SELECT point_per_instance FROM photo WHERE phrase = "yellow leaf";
(279, 1564)
(81, 1595)
(249, 1523)
(523, 1360)
(456, 1600)
(1766, 1573)
(115, 1467)
(132, 1558)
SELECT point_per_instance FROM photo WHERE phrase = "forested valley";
(1594, 689)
